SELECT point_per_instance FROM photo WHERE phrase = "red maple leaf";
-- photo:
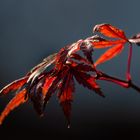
(118, 44)
(68, 66)
(40, 85)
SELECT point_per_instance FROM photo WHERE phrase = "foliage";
(68, 66)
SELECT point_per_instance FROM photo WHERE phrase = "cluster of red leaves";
(117, 44)
(66, 66)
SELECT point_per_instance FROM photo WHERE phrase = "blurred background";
(31, 30)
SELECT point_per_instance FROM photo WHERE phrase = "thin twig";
(128, 75)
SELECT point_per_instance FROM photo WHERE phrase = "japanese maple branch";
(123, 83)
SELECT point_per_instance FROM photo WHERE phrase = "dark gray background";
(32, 29)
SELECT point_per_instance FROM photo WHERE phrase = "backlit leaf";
(47, 84)
(109, 54)
(52, 85)
(15, 102)
(15, 85)
(106, 43)
(65, 92)
(110, 31)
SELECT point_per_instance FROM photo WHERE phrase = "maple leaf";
(37, 97)
(65, 95)
(15, 102)
(15, 85)
(109, 31)
(40, 68)
(106, 43)
(87, 80)
(40, 83)
(118, 44)
(22, 86)
(109, 54)
(60, 78)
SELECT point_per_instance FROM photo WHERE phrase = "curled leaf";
(40, 68)
(110, 31)
(45, 60)
(15, 85)
(37, 97)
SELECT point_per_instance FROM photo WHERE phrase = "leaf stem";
(128, 75)
(123, 83)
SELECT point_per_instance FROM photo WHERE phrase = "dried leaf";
(109, 54)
